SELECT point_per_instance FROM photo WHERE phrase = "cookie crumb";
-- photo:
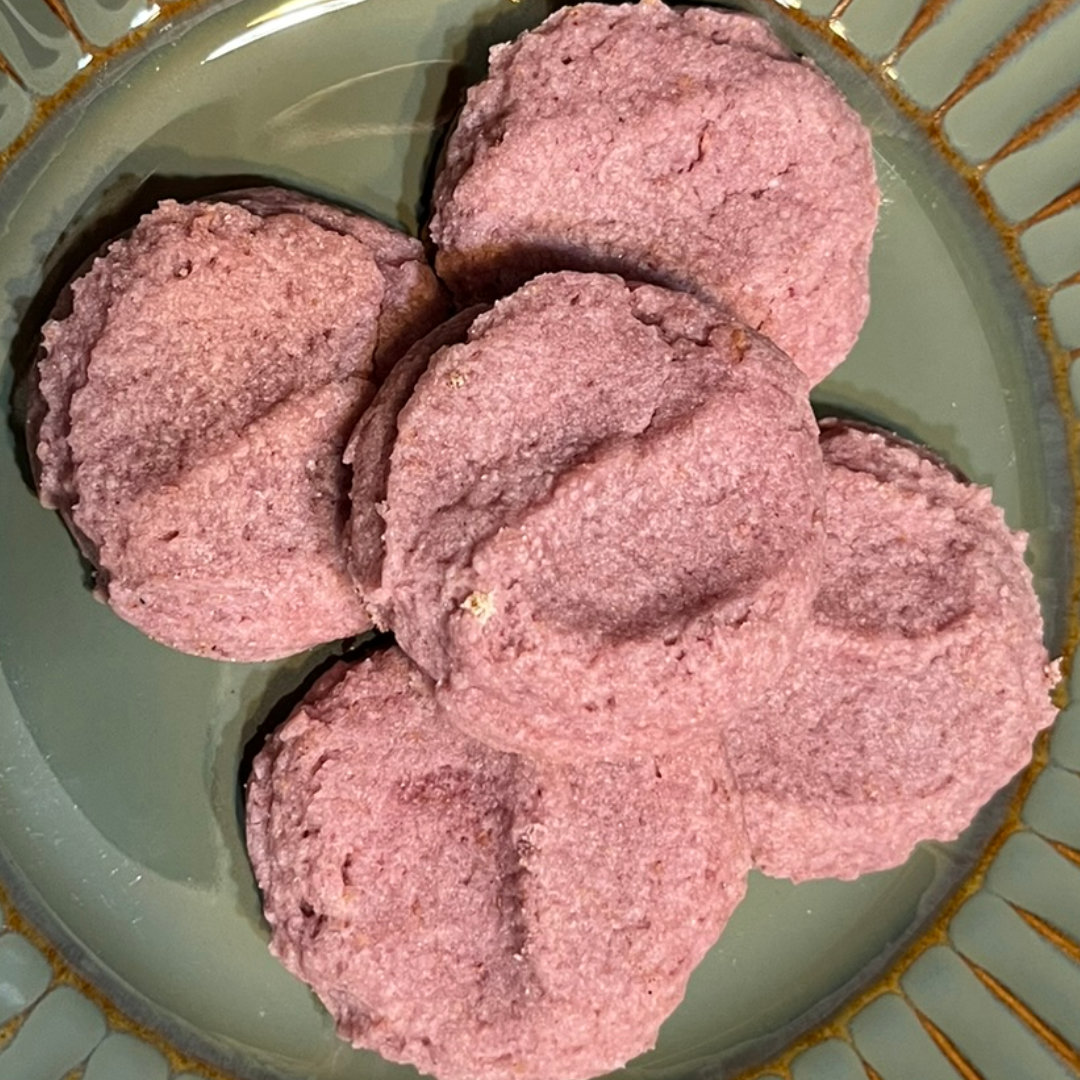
(480, 604)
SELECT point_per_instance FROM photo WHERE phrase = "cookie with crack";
(192, 402)
(602, 519)
(473, 913)
(918, 688)
(683, 146)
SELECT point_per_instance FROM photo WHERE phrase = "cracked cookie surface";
(471, 912)
(686, 147)
(920, 684)
(602, 519)
(195, 393)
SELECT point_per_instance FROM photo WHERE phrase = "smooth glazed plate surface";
(120, 829)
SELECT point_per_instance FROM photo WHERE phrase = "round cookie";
(192, 404)
(602, 519)
(686, 147)
(917, 690)
(470, 912)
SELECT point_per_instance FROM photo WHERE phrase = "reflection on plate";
(119, 825)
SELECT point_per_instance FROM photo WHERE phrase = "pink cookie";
(192, 406)
(477, 915)
(684, 147)
(602, 519)
(920, 685)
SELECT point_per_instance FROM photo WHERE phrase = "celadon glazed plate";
(131, 945)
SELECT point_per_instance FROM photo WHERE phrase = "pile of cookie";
(653, 626)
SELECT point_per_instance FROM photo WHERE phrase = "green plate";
(132, 944)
